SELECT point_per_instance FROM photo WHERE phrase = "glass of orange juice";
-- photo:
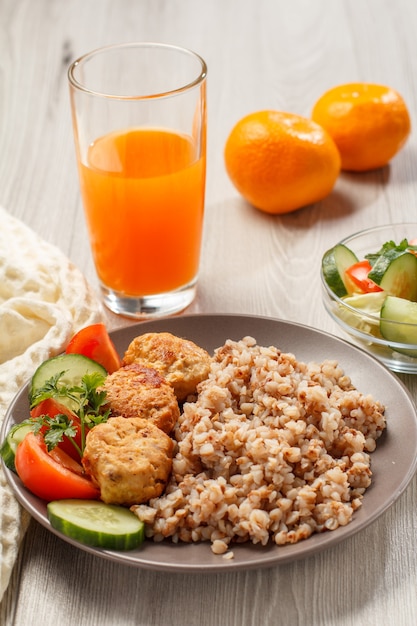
(139, 120)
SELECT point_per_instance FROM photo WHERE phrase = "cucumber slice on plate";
(15, 435)
(73, 366)
(396, 274)
(98, 524)
(334, 264)
(399, 323)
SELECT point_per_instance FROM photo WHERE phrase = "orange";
(281, 162)
(369, 123)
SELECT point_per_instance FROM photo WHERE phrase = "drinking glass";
(139, 120)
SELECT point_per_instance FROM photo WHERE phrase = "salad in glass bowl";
(369, 282)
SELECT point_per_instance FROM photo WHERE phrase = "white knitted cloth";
(44, 299)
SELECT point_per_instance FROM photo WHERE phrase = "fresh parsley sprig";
(390, 250)
(57, 427)
(85, 401)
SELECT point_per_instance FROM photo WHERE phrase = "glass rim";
(200, 78)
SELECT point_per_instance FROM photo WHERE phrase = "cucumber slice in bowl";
(399, 323)
(97, 524)
(334, 264)
(396, 274)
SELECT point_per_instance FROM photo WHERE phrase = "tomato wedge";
(94, 342)
(358, 274)
(47, 478)
(52, 407)
(66, 461)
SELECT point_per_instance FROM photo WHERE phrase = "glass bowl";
(363, 325)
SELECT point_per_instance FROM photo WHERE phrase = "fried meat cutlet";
(136, 390)
(129, 459)
(180, 361)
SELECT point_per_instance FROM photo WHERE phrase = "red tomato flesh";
(52, 407)
(47, 478)
(358, 274)
(66, 460)
(94, 342)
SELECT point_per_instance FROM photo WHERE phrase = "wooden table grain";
(278, 54)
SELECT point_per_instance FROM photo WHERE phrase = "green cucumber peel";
(381, 260)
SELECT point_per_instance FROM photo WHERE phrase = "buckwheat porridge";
(271, 449)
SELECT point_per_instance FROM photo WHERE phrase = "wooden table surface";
(275, 54)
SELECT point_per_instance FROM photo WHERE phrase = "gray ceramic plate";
(393, 463)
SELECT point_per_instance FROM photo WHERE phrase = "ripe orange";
(281, 162)
(369, 123)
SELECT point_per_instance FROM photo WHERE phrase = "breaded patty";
(180, 361)
(138, 391)
(129, 459)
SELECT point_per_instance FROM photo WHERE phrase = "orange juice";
(143, 194)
